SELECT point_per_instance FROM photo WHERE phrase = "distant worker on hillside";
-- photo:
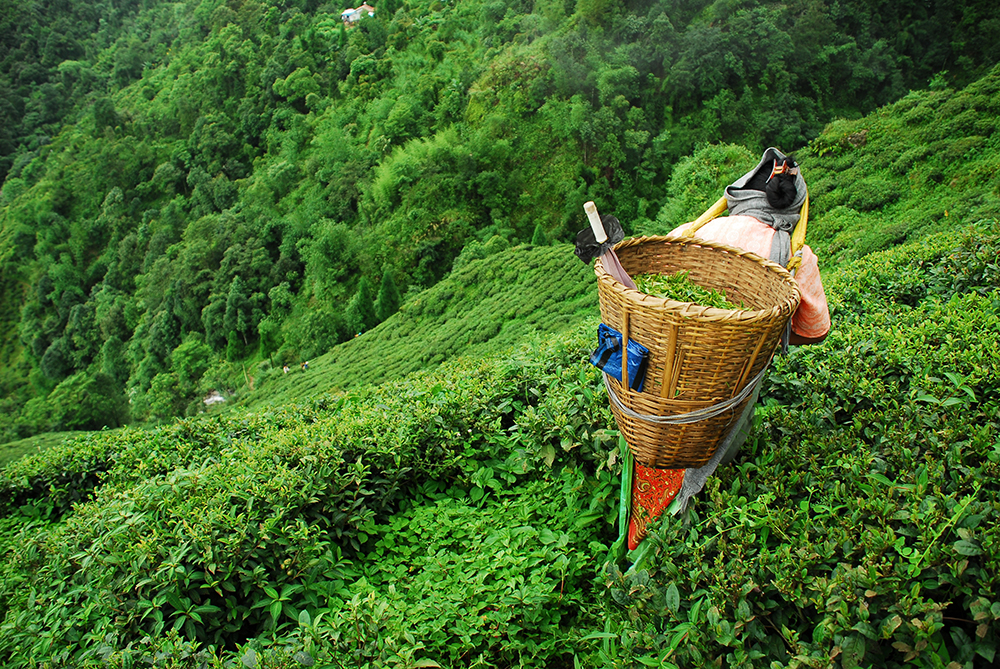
(764, 207)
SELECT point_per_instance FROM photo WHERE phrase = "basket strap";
(692, 416)
(798, 241)
(799, 236)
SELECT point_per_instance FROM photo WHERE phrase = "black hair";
(780, 188)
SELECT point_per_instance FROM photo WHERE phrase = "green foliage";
(238, 319)
(234, 172)
(474, 577)
(360, 314)
(156, 152)
(485, 305)
(316, 333)
(238, 527)
(16, 450)
(859, 522)
(104, 115)
(914, 168)
(190, 361)
(539, 238)
(698, 181)
(88, 402)
(476, 250)
(164, 398)
(388, 296)
(680, 288)
(464, 514)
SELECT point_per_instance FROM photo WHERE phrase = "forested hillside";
(192, 188)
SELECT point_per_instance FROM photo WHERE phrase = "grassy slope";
(929, 162)
(482, 307)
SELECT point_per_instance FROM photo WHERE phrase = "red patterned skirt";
(652, 492)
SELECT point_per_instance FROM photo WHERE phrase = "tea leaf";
(679, 287)
(966, 547)
(305, 659)
(853, 651)
(249, 659)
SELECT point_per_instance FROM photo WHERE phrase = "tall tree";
(539, 238)
(360, 313)
(238, 310)
(388, 296)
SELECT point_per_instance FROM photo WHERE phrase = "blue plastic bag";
(608, 357)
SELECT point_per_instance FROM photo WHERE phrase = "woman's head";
(780, 187)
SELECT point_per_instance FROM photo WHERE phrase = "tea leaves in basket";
(679, 287)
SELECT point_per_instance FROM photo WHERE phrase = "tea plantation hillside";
(191, 187)
(14, 450)
(927, 163)
(462, 514)
(493, 298)
(913, 168)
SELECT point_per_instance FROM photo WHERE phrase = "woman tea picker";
(764, 206)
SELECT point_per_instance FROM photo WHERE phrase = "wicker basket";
(699, 356)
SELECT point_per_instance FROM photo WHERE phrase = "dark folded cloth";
(587, 246)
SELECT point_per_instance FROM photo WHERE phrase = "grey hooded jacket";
(744, 201)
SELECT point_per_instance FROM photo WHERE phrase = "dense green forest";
(192, 190)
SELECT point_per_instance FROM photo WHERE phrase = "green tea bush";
(204, 540)
(566, 416)
(62, 474)
(500, 574)
(902, 165)
(229, 528)
(66, 473)
(873, 193)
(942, 265)
(860, 527)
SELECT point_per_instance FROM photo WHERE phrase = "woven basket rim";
(692, 310)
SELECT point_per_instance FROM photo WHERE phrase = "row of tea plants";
(230, 528)
(462, 517)
(860, 527)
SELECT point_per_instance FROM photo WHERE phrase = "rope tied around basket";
(690, 417)
(697, 355)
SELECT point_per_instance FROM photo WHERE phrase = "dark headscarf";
(773, 200)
